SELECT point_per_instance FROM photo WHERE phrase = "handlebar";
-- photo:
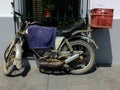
(12, 3)
(14, 12)
(18, 14)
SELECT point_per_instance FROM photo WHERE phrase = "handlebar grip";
(12, 3)
(17, 13)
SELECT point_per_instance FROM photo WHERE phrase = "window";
(52, 12)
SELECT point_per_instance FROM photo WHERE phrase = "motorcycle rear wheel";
(8, 66)
(86, 60)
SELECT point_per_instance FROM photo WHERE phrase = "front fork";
(18, 54)
(17, 43)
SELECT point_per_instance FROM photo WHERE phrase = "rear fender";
(84, 38)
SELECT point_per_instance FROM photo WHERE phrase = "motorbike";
(69, 50)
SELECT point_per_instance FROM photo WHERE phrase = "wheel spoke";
(81, 65)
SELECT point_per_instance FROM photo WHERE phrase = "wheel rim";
(10, 59)
(85, 60)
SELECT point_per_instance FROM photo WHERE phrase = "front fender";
(18, 56)
(18, 51)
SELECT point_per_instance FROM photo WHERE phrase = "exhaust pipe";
(18, 56)
(71, 58)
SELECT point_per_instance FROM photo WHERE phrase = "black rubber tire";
(8, 70)
(91, 53)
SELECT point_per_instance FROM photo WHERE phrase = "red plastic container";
(101, 18)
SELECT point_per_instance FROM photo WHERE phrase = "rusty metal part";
(51, 65)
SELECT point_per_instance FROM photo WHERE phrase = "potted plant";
(48, 7)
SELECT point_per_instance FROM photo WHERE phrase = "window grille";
(62, 12)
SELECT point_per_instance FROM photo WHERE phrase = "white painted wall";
(114, 4)
(5, 8)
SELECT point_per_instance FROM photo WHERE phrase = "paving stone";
(103, 78)
(36, 80)
(112, 76)
(57, 82)
(114, 84)
(77, 82)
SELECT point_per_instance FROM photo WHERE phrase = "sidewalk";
(103, 78)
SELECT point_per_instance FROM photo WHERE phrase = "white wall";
(5, 8)
(115, 4)
(108, 39)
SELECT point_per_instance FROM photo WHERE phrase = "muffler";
(57, 65)
(71, 58)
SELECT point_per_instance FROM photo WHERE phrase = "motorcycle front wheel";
(8, 66)
(85, 61)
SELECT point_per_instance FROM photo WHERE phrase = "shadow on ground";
(23, 71)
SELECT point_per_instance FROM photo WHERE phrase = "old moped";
(67, 50)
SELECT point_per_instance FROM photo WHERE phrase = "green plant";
(48, 5)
